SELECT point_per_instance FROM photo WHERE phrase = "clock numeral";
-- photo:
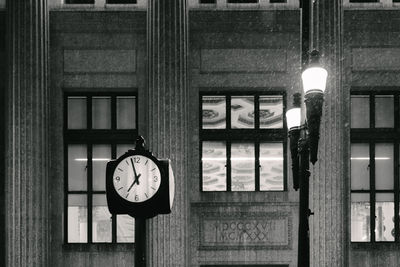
(136, 159)
(136, 198)
(155, 179)
(117, 178)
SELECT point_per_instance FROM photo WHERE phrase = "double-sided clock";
(139, 184)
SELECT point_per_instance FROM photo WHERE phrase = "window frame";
(372, 136)
(90, 137)
(254, 135)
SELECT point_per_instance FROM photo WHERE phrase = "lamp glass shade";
(293, 118)
(314, 79)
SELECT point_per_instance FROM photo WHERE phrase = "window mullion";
(228, 167)
(90, 191)
(257, 165)
(396, 191)
(373, 192)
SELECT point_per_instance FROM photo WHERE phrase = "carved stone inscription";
(265, 232)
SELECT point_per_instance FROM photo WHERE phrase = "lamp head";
(314, 76)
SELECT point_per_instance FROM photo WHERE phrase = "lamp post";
(304, 138)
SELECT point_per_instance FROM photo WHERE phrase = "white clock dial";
(136, 178)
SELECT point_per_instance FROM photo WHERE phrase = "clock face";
(136, 178)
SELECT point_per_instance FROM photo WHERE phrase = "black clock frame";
(157, 204)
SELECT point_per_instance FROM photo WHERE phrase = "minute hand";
(134, 170)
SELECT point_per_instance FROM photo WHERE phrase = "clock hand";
(134, 170)
(134, 182)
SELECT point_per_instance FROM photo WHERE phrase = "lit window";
(374, 167)
(98, 128)
(242, 142)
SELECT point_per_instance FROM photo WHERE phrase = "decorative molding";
(375, 59)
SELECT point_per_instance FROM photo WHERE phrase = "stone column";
(330, 175)
(167, 46)
(26, 135)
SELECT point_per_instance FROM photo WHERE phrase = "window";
(375, 166)
(243, 142)
(242, 1)
(364, 1)
(97, 128)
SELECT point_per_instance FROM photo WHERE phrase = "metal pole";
(303, 254)
(140, 242)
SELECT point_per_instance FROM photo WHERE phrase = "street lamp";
(304, 144)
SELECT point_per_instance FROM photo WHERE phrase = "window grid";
(90, 137)
(254, 135)
(373, 137)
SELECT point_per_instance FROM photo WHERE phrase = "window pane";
(123, 148)
(384, 166)
(271, 112)
(359, 166)
(101, 113)
(77, 167)
(101, 219)
(101, 155)
(77, 113)
(126, 112)
(360, 111)
(271, 171)
(214, 112)
(125, 229)
(384, 214)
(242, 112)
(243, 167)
(384, 111)
(360, 218)
(214, 166)
(77, 218)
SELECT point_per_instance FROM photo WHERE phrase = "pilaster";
(26, 135)
(167, 39)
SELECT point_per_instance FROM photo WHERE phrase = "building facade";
(206, 83)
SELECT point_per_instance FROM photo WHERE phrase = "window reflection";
(360, 218)
(242, 112)
(77, 218)
(271, 162)
(214, 166)
(125, 229)
(243, 167)
(214, 112)
(384, 166)
(101, 219)
(271, 112)
(384, 217)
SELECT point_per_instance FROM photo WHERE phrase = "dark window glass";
(208, 1)
(242, 142)
(121, 1)
(242, 1)
(90, 144)
(79, 1)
